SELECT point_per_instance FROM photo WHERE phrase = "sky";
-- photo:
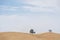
(23, 15)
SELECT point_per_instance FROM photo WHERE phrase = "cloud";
(8, 8)
(58, 3)
(25, 9)
(31, 6)
(23, 23)
(39, 9)
(42, 2)
(41, 5)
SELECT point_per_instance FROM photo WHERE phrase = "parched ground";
(26, 36)
(49, 36)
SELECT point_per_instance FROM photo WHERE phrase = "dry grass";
(25, 36)
(49, 36)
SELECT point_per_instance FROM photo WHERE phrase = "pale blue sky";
(22, 15)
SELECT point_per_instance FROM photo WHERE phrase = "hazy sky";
(22, 15)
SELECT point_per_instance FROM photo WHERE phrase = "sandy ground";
(26, 36)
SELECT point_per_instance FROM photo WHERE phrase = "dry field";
(26, 36)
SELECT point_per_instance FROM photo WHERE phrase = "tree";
(32, 31)
(50, 30)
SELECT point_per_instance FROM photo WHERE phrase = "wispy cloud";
(39, 9)
(32, 6)
(8, 8)
(42, 2)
